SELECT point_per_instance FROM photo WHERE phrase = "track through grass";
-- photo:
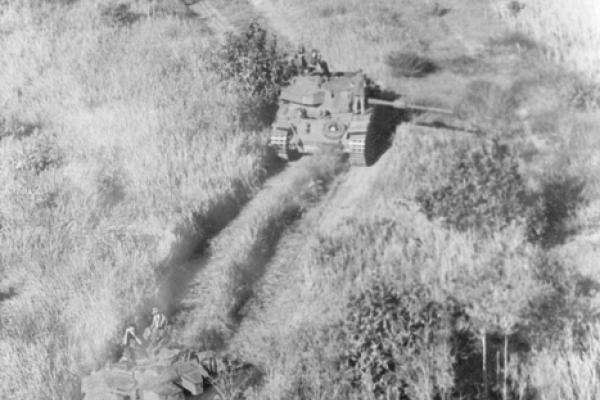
(237, 257)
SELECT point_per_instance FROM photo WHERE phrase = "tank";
(338, 110)
(169, 374)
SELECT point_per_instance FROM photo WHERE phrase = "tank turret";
(334, 110)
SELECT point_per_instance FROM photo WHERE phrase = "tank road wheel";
(280, 140)
(356, 143)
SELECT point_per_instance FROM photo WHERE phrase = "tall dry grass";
(238, 256)
(350, 34)
(568, 373)
(369, 228)
(569, 31)
(304, 292)
(357, 34)
(117, 142)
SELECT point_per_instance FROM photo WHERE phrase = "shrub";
(438, 10)
(253, 59)
(555, 204)
(409, 65)
(465, 65)
(484, 190)
(119, 14)
(18, 129)
(396, 342)
(515, 7)
(515, 39)
(486, 105)
(331, 11)
(40, 153)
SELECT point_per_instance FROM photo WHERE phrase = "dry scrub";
(240, 253)
(568, 30)
(302, 329)
(117, 142)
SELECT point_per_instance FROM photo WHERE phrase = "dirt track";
(207, 292)
(211, 291)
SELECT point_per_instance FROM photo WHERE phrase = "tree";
(497, 295)
(254, 62)
(396, 342)
(483, 191)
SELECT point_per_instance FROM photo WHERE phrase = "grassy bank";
(371, 297)
(119, 144)
(568, 30)
(381, 301)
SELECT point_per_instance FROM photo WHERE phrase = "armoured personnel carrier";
(335, 110)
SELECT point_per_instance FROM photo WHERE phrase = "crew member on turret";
(358, 93)
(302, 64)
(157, 329)
(323, 68)
(313, 61)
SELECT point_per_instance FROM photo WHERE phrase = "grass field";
(121, 153)
(515, 74)
(567, 29)
(239, 255)
(118, 145)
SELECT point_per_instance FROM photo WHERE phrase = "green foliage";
(254, 60)
(40, 153)
(328, 10)
(516, 39)
(483, 190)
(409, 65)
(396, 342)
(566, 306)
(486, 105)
(515, 7)
(557, 202)
(105, 169)
(117, 13)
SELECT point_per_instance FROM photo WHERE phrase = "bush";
(396, 342)
(332, 11)
(484, 190)
(556, 203)
(253, 59)
(119, 14)
(410, 65)
(487, 106)
(515, 7)
(40, 153)
(516, 39)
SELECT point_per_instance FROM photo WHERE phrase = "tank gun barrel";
(404, 105)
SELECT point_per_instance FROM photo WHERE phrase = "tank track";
(357, 144)
(281, 143)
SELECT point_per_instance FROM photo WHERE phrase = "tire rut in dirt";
(188, 255)
(211, 310)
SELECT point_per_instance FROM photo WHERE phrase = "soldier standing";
(358, 93)
(157, 329)
(302, 60)
(313, 62)
(324, 68)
